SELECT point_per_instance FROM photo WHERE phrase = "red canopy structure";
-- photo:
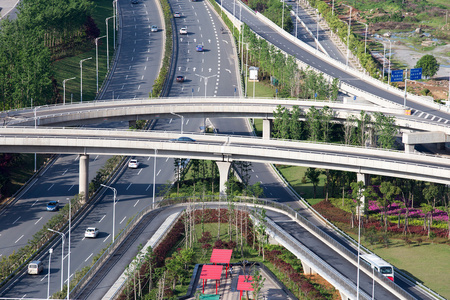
(244, 284)
(211, 272)
(221, 256)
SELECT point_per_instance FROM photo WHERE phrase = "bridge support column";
(267, 129)
(224, 169)
(409, 148)
(307, 269)
(365, 178)
(84, 177)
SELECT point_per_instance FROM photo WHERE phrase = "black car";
(180, 78)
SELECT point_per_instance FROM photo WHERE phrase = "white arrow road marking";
(228, 71)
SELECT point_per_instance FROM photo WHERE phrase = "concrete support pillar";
(365, 178)
(267, 129)
(84, 177)
(307, 269)
(409, 148)
(224, 169)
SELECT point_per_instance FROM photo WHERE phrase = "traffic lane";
(126, 259)
(20, 221)
(140, 54)
(278, 40)
(333, 259)
(201, 69)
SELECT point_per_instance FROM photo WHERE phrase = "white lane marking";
(50, 187)
(145, 68)
(228, 71)
(148, 187)
(88, 257)
(19, 239)
(96, 157)
(148, 158)
(129, 186)
(256, 176)
(34, 202)
(71, 187)
(83, 238)
(187, 121)
(106, 238)
(23, 297)
(38, 220)
(16, 220)
(123, 220)
(139, 171)
(44, 277)
(102, 218)
(167, 159)
(65, 172)
(136, 203)
(170, 121)
(158, 172)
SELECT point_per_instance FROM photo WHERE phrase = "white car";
(133, 164)
(154, 28)
(91, 232)
(183, 30)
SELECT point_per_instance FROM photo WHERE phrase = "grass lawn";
(426, 262)
(294, 175)
(70, 67)
(262, 90)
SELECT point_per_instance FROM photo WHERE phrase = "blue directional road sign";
(416, 74)
(396, 75)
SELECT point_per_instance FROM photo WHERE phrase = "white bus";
(378, 264)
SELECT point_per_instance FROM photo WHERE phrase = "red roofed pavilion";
(244, 284)
(221, 256)
(211, 272)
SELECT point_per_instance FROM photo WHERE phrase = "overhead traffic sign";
(396, 75)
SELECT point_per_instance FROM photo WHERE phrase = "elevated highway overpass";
(228, 107)
(224, 150)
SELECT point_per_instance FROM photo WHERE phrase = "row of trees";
(30, 43)
(315, 125)
(273, 9)
(292, 81)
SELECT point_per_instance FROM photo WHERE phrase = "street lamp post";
(282, 15)
(317, 34)
(107, 43)
(205, 78)
(81, 79)
(365, 36)
(114, 208)
(384, 60)
(50, 251)
(154, 179)
(348, 34)
(63, 238)
(390, 57)
(64, 89)
(296, 22)
(115, 18)
(182, 120)
(96, 57)
(68, 249)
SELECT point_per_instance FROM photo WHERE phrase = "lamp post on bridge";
(63, 238)
(96, 57)
(64, 89)
(81, 79)
(114, 208)
(348, 34)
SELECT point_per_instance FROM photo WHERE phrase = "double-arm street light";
(64, 89)
(114, 208)
(63, 239)
(81, 80)
(96, 57)
(205, 78)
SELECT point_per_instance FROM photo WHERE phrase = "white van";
(35, 267)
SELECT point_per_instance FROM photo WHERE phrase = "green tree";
(313, 123)
(385, 129)
(429, 65)
(389, 191)
(313, 176)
